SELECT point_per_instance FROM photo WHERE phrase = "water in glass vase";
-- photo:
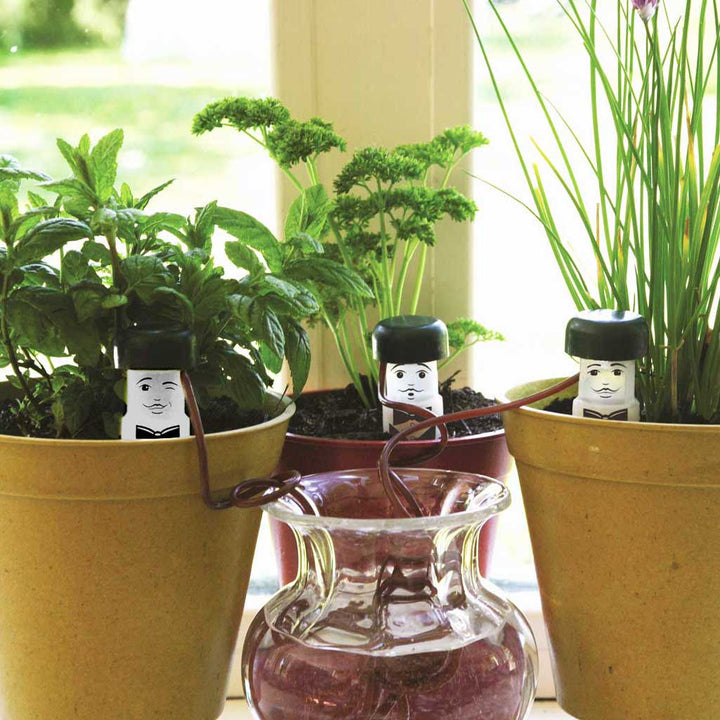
(482, 680)
(389, 618)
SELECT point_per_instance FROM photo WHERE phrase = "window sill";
(542, 710)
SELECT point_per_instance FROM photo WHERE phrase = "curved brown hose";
(249, 493)
(388, 477)
(400, 489)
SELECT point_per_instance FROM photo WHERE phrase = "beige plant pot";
(625, 526)
(120, 591)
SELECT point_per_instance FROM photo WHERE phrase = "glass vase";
(389, 617)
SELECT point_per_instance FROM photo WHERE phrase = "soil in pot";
(340, 414)
(563, 406)
(218, 415)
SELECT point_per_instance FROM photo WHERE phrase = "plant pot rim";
(357, 444)
(536, 411)
(272, 398)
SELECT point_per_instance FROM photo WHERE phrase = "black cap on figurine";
(410, 339)
(607, 335)
(156, 347)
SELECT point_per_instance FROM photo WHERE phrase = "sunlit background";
(74, 66)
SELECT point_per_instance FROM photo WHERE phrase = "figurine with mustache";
(607, 344)
(409, 346)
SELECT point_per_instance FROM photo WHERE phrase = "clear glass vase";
(389, 618)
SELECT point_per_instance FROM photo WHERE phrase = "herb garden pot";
(484, 454)
(624, 525)
(121, 591)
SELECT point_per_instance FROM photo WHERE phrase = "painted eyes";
(400, 374)
(145, 387)
(422, 374)
(617, 372)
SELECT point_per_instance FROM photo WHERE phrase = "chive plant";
(651, 215)
(378, 220)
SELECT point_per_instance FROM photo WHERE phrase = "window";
(519, 290)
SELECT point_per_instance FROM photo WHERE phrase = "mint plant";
(77, 270)
(380, 219)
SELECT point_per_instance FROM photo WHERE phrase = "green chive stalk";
(652, 215)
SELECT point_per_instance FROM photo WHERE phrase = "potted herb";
(122, 591)
(378, 221)
(623, 515)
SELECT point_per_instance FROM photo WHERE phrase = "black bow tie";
(146, 433)
(617, 415)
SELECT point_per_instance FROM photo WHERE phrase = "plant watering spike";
(154, 357)
(607, 343)
(408, 348)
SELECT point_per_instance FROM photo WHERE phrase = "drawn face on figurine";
(605, 381)
(156, 394)
(412, 383)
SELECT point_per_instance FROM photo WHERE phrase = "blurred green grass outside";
(46, 95)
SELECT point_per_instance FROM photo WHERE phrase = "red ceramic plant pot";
(484, 454)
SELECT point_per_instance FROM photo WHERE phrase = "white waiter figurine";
(153, 357)
(409, 347)
(607, 343)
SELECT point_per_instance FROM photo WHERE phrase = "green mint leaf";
(297, 352)
(72, 189)
(114, 300)
(266, 327)
(157, 222)
(172, 306)
(328, 272)
(270, 360)
(244, 257)
(47, 237)
(28, 220)
(97, 252)
(10, 169)
(316, 212)
(142, 203)
(37, 315)
(88, 299)
(73, 407)
(251, 232)
(205, 225)
(243, 384)
(296, 216)
(126, 196)
(286, 296)
(84, 146)
(8, 206)
(37, 201)
(72, 157)
(307, 244)
(40, 274)
(75, 269)
(144, 274)
(308, 213)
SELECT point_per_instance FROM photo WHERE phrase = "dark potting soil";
(340, 414)
(218, 415)
(560, 405)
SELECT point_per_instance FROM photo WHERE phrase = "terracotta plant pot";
(484, 454)
(121, 591)
(624, 525)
